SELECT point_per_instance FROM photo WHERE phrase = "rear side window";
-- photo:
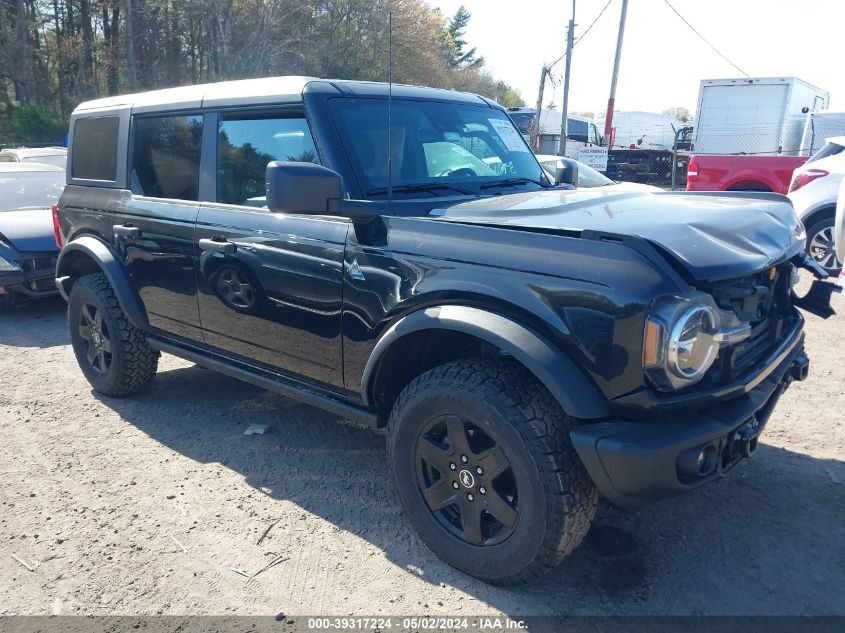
(830, 149)
(95, 148)
(166, 156)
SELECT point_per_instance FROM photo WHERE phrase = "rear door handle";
(217, 246)
(126, 231)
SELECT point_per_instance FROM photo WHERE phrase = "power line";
(703, 39)
(580, 37)
(592, 24)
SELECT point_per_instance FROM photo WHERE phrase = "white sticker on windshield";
(509, 134)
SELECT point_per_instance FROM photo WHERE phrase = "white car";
(813, 191)
(839, 233)
(589, 177)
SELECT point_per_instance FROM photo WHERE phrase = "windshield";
(452, 147)
(30, 189)
(523, 121)
(587, 176)
(57, 160)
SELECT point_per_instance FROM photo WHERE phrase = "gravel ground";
(145, 505)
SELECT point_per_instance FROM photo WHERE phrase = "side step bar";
(295, 392)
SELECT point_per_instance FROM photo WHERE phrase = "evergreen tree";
(462, 58)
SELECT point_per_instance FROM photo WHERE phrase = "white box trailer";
(763, 116)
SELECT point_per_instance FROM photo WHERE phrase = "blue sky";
(662, 60)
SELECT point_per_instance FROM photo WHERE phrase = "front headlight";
(692, 346)
(683, 337)
(7, 266)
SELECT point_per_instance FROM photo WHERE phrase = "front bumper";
(36, 278)
(633, 463)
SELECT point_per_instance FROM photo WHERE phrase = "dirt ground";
(145, 505)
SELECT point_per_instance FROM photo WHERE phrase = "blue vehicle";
(28, 249)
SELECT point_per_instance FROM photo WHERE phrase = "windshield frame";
(337, 107)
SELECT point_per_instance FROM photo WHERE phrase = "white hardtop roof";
(838, 140)
(253, 91)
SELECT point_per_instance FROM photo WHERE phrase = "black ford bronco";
(397, 256)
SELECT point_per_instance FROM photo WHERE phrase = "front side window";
(447, 145)
(166, 156)
(95, 148)
(244, 147)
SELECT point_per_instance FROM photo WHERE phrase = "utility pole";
(608, 118)
(535, 124)
(570, 38)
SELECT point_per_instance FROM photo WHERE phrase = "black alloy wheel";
(94, 331)
(485, 470)
(467, 481)
(112, 353)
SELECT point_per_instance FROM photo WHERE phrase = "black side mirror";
(567, 173)
(302, 188)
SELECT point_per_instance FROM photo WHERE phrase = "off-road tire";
(133, 362)
(559, 497)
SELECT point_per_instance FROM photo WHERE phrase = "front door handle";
(126, 231)
(217, 246)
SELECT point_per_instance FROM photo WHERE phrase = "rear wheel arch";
(817, 215)
(437, 335)
(87, 255)
(749, 184)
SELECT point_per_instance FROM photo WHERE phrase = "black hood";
(713, 236)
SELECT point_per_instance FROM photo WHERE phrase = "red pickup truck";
(741, 173)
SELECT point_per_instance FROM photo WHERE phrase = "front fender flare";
(577, 396)
(97, 251)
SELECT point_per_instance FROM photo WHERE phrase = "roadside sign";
(595, 157)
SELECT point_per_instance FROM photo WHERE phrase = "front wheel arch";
(574, 392)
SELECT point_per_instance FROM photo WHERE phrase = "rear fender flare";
(99, 252)
(568, 384)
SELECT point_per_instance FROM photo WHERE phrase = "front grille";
(43, 285)
(754, 348)
(39, 263)
(736, 360)
(775, 315)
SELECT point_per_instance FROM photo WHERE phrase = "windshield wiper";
(423, 186)
(513, 181)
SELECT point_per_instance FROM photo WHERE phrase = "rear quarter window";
(94, 148)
